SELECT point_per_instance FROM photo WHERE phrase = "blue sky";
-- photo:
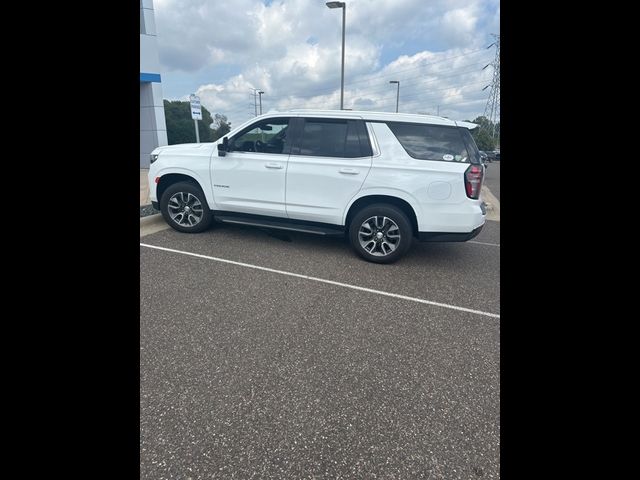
(291, 50)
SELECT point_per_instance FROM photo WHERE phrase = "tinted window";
(267, 136)
(330, 138)
(431, 142)
(472, 148)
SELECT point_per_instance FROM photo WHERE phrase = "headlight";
(154, 157)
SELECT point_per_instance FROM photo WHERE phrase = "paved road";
(492, 179)
(257, 374)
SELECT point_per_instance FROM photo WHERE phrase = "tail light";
(473, 180)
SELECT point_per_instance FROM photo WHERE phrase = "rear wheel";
(184, 207)
(380, 233)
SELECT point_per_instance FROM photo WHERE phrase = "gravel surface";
(147, 210)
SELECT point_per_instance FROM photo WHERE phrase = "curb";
(152, 224)
(492, 204)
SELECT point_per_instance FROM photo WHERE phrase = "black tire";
(377, 253)
(183, 211)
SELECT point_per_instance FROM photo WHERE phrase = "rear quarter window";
(431, 142)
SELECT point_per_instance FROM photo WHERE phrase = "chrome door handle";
(273, 165)
(349, 171)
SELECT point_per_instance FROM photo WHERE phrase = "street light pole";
(398, 94)
(344, 21)
(260, 93)
(343, 6)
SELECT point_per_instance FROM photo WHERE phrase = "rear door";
(329, 161)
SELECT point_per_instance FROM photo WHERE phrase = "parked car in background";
(380, 179)
(484, 156)
(493, 155)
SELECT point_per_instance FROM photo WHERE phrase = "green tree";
(481, 134)
(221, 126)
(180, 128)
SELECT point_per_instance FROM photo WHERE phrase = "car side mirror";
(223, 147)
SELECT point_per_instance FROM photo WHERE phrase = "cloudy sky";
(291, 49)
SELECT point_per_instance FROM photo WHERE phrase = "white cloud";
(291, 50)
(458, 26)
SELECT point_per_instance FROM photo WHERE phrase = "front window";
(267, 136)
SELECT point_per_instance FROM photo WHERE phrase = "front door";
(250, 178)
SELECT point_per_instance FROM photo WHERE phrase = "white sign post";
(196, 112)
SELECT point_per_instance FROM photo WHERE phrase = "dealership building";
(153, 128)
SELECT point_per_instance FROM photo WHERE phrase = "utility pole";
(255, 101)
(492, 109)
(397, 94)
(255, 94)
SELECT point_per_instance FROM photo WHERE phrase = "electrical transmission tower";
(492, 109)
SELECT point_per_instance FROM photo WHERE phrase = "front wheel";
(184, 207)
(380, 233)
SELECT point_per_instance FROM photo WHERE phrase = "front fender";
(202, 180)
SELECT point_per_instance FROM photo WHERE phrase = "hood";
(185, 149)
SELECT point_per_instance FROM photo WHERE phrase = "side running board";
(259, 222)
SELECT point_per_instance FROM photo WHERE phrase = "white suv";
(382, 179)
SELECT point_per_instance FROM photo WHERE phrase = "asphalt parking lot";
(249, 373)
(492, 178)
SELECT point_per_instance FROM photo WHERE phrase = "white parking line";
(483, 243)
(322, 280)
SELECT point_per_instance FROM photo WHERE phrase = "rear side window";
(332, 138)
(431, 142)
(472, 148)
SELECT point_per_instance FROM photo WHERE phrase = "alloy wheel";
(185, 209)
(379, 236)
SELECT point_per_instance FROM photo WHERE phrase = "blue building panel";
(150, 77)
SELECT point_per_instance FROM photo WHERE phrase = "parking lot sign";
(196, 109)
(196, 112)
